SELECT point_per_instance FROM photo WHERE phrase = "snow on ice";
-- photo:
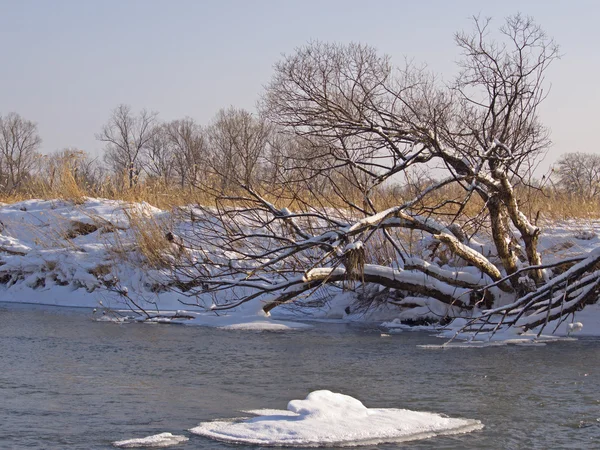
(325, 418)
(156, 441)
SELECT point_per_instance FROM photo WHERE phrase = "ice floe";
(249, 319)
(156, 441)
(325, 418)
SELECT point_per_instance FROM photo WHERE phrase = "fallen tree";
(356, 127)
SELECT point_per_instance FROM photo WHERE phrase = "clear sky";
(66, 63)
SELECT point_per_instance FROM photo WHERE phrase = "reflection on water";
(68, 382)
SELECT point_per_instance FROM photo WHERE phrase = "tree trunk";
(529, 232)
(501, 236)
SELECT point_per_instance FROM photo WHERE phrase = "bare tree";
(238, 146)
(19, 142)
(363, 125)
(482, 130)
(159, 159)
(579, 174)
(126, 136)
(187, 144)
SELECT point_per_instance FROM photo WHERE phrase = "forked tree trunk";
(501, 236)
(529, 232)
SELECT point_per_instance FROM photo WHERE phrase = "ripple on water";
(62, 385)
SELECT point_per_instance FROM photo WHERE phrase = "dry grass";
(548, 204)
(156, 194)
(151, 241)
(554, 205)
(62, 183)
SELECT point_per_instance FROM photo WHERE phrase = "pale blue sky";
(66, 63)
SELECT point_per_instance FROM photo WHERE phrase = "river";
(67, 382)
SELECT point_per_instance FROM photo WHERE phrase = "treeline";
(235, 148)
(140, 148)
(142, 154)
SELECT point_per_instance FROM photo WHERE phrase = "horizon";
(71, 63)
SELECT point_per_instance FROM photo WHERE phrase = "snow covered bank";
(59, 253)
(325, 418)
(582, 323)
(156, 441)
(585, 323)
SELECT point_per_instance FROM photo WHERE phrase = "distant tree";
(19, 142)
(126, 136)
(284, 159)
(188, 146)
(159, 160)
(238, 145)
(579, 174)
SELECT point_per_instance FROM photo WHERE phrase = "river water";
(67, 382)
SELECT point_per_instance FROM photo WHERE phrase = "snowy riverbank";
(88, 255)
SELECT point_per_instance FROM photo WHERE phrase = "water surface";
(67, 382)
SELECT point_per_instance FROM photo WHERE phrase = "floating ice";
(325, 418)
(257, 321)
(157, 441)
(574, 327)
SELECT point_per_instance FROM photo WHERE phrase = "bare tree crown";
(126, 137)
(19, 142)
(354, 125)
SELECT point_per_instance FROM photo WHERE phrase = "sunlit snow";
(325, 418)
(58, 253)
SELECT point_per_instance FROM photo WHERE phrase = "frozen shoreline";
(60, 254)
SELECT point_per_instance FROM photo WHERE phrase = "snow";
(574, 327)
(584, 323)
(419, 308)
(249, 322)
(325, 418)
(412, 277)
(56, 253)
(49, 258)
(243, 318)
(589, 318)
(459, 275)
(156, 441)
(353, 246)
